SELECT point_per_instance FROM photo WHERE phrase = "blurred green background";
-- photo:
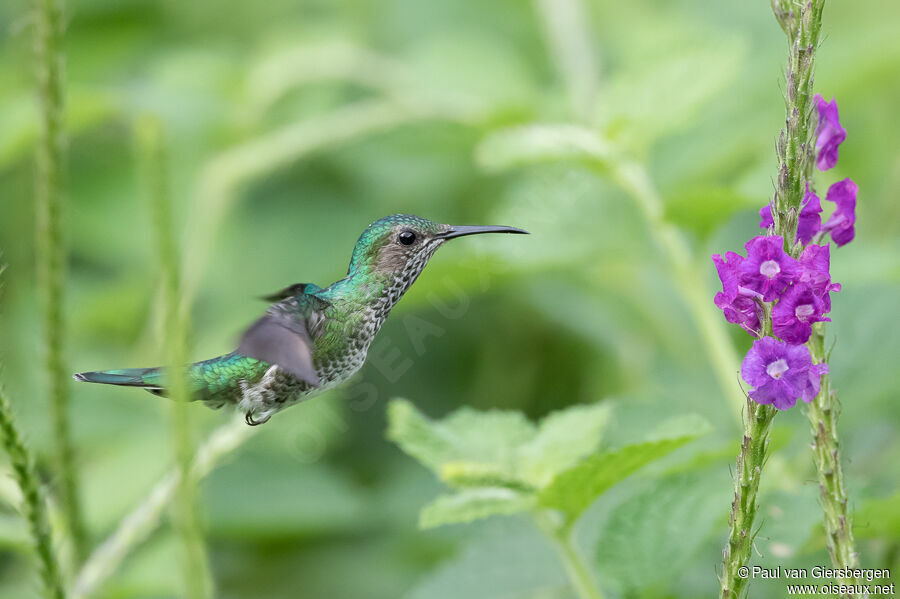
(292, 125)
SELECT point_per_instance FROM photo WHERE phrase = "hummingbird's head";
(400, 245)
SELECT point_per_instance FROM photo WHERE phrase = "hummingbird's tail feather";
(149, 379)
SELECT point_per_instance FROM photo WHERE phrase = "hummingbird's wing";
(291, 291)
(282, 336)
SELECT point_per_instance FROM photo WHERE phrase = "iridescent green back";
(219, 378)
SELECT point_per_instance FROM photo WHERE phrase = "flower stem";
(823, 419)
(34, 503)
(802, 25)
(577, 570)
(633, 178)
(51, 257)
(750, 462)
(195, 566)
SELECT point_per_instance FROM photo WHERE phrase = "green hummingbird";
(311, 339)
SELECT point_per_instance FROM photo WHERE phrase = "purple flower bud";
(737, 303)
(812, 386)
(741, 310)
(808, 222)
(793, 315)
(767, 270)
(780, 373)
(841, 223)
(765, 213)
(814, 265)
(829, 134)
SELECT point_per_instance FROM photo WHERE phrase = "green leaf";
(489, 449)
(473, 504)
(651, 536)
(564, 438)
(575, 489)
(467, 447)
(540, 143)
(652, 100)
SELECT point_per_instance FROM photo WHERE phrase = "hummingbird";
(311, 338)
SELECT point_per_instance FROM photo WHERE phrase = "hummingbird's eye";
(407, 237)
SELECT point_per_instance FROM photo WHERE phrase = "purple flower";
(814, 265)
(840, 225)
(737, 303)
(728, 272)
(741, 310)
(765, 213)
(793, 315)
(829, 134)
(815, 378)
(808, 223)
(780, 373)
(767, 270)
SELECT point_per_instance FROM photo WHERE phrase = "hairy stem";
(577, 570)
(750, 462)
(33, 503)
(823, 415)
(51, 257)
(195, 565)
(802, 25)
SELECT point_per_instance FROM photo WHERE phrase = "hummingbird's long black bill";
(462, 230)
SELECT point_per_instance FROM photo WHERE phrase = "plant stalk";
(34, 504)
(796, 155)
(195, 566)
(633, 178)
(51, 256)
(577, 570)
(802, 23)
(823, 415)
(145, 517)
(750, 462)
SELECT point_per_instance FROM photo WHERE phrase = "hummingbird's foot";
(248, 418)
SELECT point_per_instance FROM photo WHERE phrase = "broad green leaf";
(475, 474)
(651, 536)
(489, 449)
(575, 489)
(564, 438)
(653, 100)
(480, 446)
(538, 143)
(473, 504)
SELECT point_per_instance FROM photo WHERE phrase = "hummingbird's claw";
(248, 418)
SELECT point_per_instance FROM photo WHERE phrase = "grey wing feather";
(291, 291)
(283, 340)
